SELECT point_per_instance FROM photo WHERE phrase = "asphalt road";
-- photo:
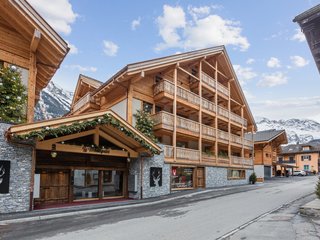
(205, 216)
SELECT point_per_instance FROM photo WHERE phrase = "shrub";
(317, 191)
(253, 178)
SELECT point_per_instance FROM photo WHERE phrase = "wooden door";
(54, 187)
(200, 177)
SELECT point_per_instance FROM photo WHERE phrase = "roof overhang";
(50, 49)
(113, 124)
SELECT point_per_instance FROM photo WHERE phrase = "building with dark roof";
(266, 148)
(304, 156)
(309, 22)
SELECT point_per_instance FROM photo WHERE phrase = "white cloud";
(248, 95)
(250, 61)
(298, 107)
(135, 23)
(81, 68)
(298, 36)
(273, 62)
(200, 31)
(73, 48)
(110, 48)
(299, 61)
(59, 13)
(244, 73)
(173, 19)
(273, 79)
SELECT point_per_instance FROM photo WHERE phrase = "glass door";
(112, 183)
(85, 184)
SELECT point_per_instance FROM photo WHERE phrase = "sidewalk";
(51, 213)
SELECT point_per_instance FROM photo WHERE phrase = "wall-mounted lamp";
(53, 151)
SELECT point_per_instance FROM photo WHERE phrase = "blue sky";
(270, 55)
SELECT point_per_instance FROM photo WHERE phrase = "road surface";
(200, 217)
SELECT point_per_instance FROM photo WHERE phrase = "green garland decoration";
(77, 127)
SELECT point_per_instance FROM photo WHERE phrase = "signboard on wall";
(155, 177)
(4, 176)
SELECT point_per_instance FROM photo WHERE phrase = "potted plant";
(253, 178)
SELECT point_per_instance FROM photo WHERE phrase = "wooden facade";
(199, 110)
(29, 43)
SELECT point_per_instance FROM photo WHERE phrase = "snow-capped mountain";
(298, 130)
(54, 102)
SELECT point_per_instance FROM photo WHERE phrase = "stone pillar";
(20, 157)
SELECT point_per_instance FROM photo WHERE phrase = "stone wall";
(18, 198)
(218, 177)
(148, 162)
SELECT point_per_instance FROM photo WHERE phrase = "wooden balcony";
(236, 139)
(222, 135)
(247, 161)
(208, 105)
(223, 112)
(237, 160)
(237, 119)
(163, 120)
(208, 132)
(187, 154)
(187, 125)
(182, 153)
(248, 143)
(188, 96)
(208, 80)
(164, 86)
(224, 90)
(82, 101)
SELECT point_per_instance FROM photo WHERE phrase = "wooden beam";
(64, 138)
(35, 40)
(14, 59)
(129, 103)
(111, 139)
(206, 62)
(31, 87)
(183, 70)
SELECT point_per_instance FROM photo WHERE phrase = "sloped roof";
(92, 117)
(312, 12)
(298, 148)
(266, 136)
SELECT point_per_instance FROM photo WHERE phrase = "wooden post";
(129, 103)
(229, 125)
(174, 138)
(31, 88)
(216, 102)
(200, 112)
(33, 167)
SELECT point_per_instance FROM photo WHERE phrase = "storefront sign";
(155, 177)
(4, 176)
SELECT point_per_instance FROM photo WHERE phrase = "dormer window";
(305, 148)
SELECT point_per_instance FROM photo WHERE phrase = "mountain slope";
(298, 130)
(54, 102)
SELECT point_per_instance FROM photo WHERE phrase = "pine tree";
(13, 96)
(144, 124)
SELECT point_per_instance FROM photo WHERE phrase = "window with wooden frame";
(234, 174)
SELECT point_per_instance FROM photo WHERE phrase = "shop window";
(236, 174)
(182, 177)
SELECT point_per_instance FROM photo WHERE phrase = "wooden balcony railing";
(247, 161)
(236, 160)
(248, 143)
(223, 135)
(208, 131)
(236, 139)
(208, 80)
(236, 118)
(223, 89)
(82, 101)
(188, 154)
(210, 106)
(223, 112)
(164, 118)
(168, 151)
(188, 96)
(164, 86)
(187, 124)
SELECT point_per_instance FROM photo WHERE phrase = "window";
(291, 158)
(306, 167)
(236, 174)
(306, 157)
(182, 177)
(280, 159)
(305, 148)
(147, 107)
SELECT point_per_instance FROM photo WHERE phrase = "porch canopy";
(102, 132)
